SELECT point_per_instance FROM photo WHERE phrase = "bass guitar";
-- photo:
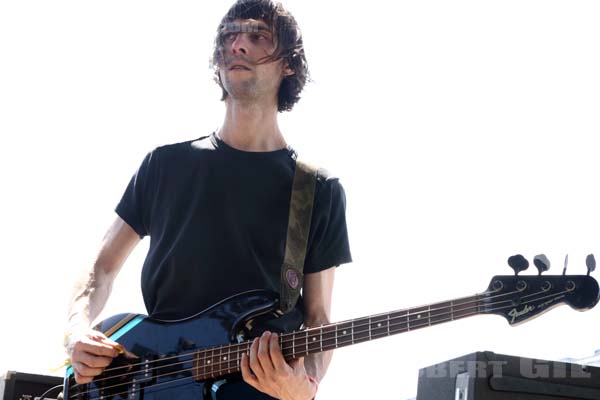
(193, 357)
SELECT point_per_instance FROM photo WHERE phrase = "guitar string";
(408, 313)
(127, 392)
(541, 298)
(227, 370)
(318, 333)
(312, 332)
(220, 372)
(246, 345)
(352, 340)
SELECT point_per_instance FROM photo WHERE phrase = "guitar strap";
(296, 242)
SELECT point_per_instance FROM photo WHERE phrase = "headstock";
(521, 297)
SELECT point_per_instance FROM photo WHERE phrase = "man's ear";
(287, 71)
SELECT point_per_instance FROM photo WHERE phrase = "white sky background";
(463, 132)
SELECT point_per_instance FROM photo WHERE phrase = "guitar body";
(164, 367)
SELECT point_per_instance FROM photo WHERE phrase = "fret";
(205, 372)
(231, 363)
(429, 315)
(197, 365)
(217, 362)
(388, 323)
(451, 310)
(306, 341)
(220, 361)
(228, 358)
(294, 345)
(369, 328)
(209, 362)
(247, 349)
(352, 329)
(280, 342)
(321, 337)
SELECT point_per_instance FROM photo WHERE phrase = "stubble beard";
(246, 91)
(250, 90)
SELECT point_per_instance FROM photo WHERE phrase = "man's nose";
(239, 44)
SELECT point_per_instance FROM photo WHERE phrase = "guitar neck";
(359, 330)
(219, 361)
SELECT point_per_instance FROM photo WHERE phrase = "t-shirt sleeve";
(328, 243)
(136, 204)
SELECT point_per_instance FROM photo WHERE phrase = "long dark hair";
(289, 46)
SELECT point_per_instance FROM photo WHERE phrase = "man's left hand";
(266, 370)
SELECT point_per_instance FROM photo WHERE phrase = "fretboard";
(223, 360)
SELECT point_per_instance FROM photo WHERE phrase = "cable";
(48, 391)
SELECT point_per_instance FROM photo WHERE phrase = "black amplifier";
(490, 376)
(22, 386)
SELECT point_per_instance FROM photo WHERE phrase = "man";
(216, 210)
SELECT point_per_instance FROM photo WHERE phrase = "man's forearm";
(92, 290)
(90, 295)
(317, 292)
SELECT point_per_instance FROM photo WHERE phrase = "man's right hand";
(90, 352)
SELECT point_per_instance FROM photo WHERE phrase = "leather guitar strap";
(301, 207)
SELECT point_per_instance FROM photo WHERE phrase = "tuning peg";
(518, 263)
(566, 263)
(590, 261)
(542, 263)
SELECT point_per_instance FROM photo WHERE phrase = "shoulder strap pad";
(301, 207)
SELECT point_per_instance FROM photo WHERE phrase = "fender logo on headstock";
(514, 313)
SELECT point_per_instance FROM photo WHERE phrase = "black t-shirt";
(217, 220)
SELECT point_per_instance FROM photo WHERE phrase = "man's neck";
(251, 127)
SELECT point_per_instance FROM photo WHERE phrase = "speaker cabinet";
(22, 386)
(490, 376)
